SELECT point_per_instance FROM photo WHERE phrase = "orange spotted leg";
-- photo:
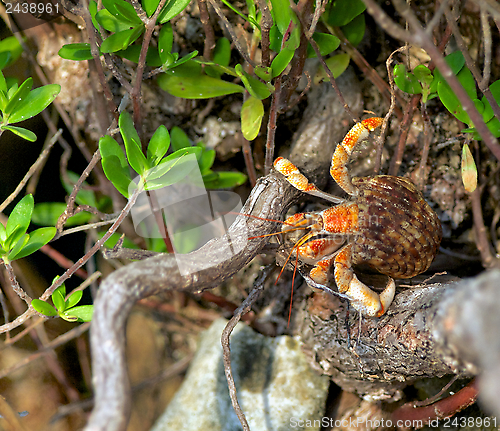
(299, 180)
(343, 151)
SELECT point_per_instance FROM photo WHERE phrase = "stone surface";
(275, 385)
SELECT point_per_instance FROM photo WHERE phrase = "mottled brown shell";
(399, 232)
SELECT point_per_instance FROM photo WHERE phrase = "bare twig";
(327, 69)
(226, 333)
(231, 32)
(444, 408)
(483, 244)
(207, 27)
(30, 312)
(419, 37)
(247, 155)
(136, 92)
(48, 348)
(15, 284)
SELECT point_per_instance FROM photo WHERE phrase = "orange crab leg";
(299, 180)
(363, 299)
(343, 151)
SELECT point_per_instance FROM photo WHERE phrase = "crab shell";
(399, 233)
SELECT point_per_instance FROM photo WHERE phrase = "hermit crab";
(385, 223)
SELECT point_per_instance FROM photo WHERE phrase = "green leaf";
(158, 145)
(17, 246)
(133, 52)
(248, 18)
(406, 81)
(115, 173)
(179, 139)
(456, 61)
(450, 100)
(206, 160)
(127, 12)
(93, 13)
(58, 298)
(10, 45)
(281, 61)
(494, 126)
(3, 84)
(135, 156)
(47, 214)
(37, 240)
(252, 113)
(225, 180)
(327, 43)
(488, 110)
(43, 308)
(354, 31)
(337, 64)
(165, 42)
(171, 9)
(74, 298)
(275, 38)
(76, 51)
(264, 73)
(185, 67)
(36, 101)
(114, 164)
(20, 217)
(172, 168)
(202, 87)
(344, 11)
(222, 52)
(18, 97)
(150, 6)
(110, 23)
(282, 14)
(256, 88)
(3, 233)
(21, 132)
(121, 40)
(122, 11)
(109, 147)
(81, 313)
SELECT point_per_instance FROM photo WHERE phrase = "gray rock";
(274, 382)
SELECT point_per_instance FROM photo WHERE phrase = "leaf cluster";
(65, 308)
(155, 169)
(15, 242)
(20, 102)
(431, 85)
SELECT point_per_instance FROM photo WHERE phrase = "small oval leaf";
(201, 87)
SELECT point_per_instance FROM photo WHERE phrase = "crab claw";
(366, 301)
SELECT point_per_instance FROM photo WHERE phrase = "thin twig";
(247, 155)
(226, 333)
(136, 92)
(265, 26)
(48, 348)
(485, 25)
(483, 244)
(15, 284)
(209, 31)
(30, 312)
(231, 32)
